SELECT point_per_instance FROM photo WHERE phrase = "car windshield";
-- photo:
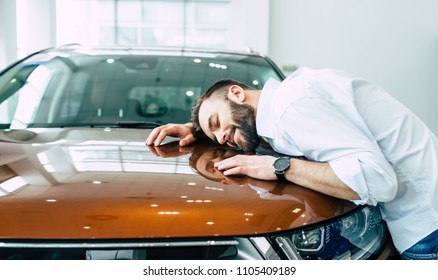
(83, 87)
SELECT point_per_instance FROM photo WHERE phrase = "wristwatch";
(280, 166)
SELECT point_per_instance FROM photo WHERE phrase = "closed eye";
(213, 122)
(218, 123)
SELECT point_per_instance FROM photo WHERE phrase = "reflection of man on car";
(202, 158)
(314, 206)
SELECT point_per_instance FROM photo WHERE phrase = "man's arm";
(317, 176)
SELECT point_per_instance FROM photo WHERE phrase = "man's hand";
(182, 131)
(255, 166)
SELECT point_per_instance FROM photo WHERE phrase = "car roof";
(152, 50)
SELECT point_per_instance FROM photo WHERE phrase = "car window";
(71, 89)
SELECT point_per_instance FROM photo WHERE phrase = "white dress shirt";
(374, 144)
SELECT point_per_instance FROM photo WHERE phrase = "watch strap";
(280, 176)
(281, 165)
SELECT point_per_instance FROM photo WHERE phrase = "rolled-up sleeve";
(334, 133)
(371, 182)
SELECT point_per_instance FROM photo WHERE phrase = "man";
(360, 144)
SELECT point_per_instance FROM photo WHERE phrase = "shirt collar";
(265, 119)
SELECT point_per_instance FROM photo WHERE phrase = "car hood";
(99, 183)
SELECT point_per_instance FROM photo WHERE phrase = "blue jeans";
(425, 249)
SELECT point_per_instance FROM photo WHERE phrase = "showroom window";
(204, 23)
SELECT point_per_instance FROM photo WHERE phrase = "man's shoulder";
(315, 73)
(296, 84)
(311, 82)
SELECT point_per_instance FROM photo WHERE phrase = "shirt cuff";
(373, 180)
(349, 171)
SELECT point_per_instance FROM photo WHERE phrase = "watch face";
(281, 164)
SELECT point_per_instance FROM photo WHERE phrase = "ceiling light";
(168, 213)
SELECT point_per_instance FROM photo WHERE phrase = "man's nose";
(221, 137)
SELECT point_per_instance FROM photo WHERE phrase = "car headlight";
(360, 235)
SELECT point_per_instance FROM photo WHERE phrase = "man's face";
(228, 122)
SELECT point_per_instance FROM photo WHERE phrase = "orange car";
(77, 181)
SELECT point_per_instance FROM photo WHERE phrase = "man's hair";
(217, 90)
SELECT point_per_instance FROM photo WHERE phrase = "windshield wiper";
(138, 124)
(126, 124)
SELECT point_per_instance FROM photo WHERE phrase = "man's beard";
(243, 116)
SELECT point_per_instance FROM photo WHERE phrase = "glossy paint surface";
(100, 183)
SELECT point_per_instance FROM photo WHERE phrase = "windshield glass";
(75, 88)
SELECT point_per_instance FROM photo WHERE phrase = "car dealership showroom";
(218, 138)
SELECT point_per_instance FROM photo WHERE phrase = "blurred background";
(393, 42)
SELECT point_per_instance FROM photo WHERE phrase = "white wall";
(36, 29)
(392, 42)
(8, 43)
(26, 26)
(250, 25)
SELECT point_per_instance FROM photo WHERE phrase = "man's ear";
(236, 94)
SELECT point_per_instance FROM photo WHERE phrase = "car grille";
(230, 249)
